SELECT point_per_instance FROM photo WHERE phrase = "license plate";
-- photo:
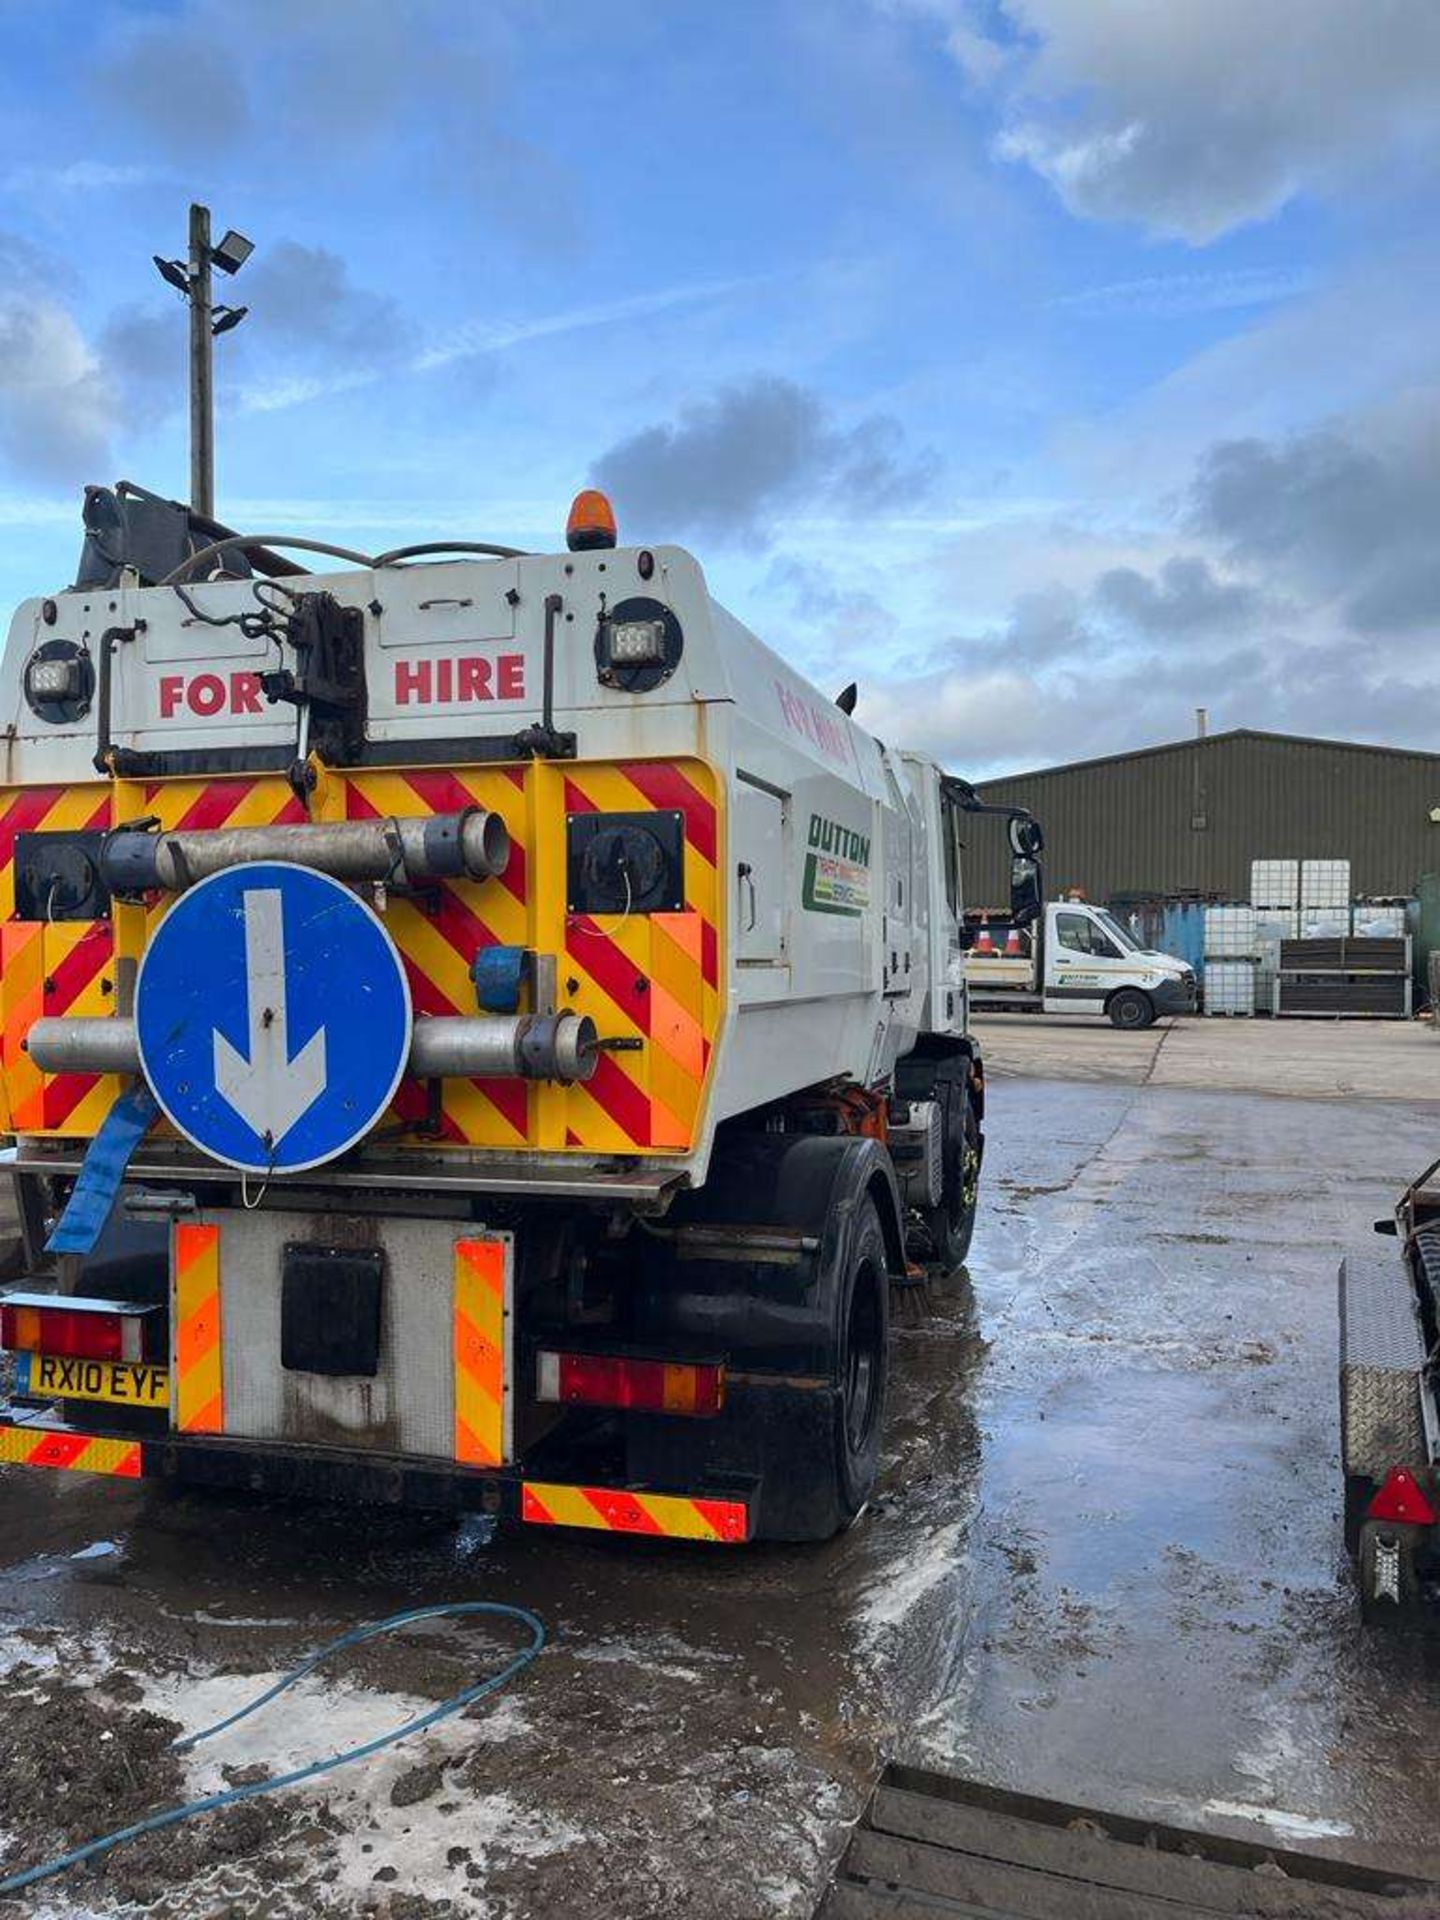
(118, 1381)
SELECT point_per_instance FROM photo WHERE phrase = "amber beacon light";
(591, 522)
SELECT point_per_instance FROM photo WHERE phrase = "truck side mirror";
(1026, 839)
(1025, 901)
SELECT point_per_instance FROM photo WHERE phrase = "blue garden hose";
(171, 1816)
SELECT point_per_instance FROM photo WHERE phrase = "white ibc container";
(1230, 987)
(1378, 923)
(1274, 924)
(1325, 883)
(1275, 883)
(1230, 932)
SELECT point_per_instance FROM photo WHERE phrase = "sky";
(1050, 367)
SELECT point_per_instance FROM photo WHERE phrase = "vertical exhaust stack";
(1202, 722)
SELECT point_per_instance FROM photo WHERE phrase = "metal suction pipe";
(524, 1046)
(471, 845)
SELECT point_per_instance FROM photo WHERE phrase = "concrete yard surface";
(1104, 1565)
(1324, 1059)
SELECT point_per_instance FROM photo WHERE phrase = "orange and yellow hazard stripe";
(481, 1350)
(74, 1452)
(198, 1384)
(50, 969)
(669, 1516)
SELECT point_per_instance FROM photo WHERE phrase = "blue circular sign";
(272, 1014)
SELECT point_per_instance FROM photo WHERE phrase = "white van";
(1075, 958)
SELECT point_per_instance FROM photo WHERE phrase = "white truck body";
(681, 1086)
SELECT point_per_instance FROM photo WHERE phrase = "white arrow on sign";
(269, 1091)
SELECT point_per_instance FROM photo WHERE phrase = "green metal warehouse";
(1188, 818)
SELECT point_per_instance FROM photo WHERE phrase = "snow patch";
(902, 1588)
(1295, 1826)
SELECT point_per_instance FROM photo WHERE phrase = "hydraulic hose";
(172, 1816)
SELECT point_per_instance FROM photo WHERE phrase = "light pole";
(194, 280)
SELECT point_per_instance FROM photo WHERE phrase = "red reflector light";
(1403, 1499)
(641, 1386)
(70, 1333)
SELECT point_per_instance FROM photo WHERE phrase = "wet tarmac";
(1105, 1565)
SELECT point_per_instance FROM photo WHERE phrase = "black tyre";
(820, 1470)
(950, 1227)
(1391, 1594)
(862, 1365)
(1132, 1009)
(804, 1409)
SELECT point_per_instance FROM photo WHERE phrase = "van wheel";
(1131, 1008)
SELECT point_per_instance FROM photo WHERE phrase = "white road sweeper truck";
(477, 1029)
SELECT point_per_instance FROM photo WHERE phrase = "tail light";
(640, 1386)
(73, 1329)
(1401, 1498)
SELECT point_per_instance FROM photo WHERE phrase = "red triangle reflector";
(1401, 1498)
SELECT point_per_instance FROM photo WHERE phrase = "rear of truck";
(570, 1273)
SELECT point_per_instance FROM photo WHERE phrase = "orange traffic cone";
(1013, 948)
(983, 942)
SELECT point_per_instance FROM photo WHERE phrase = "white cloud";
(1193, 117)
(55, 410)
(1170, 296)
(476, 338)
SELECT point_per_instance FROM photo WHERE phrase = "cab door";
(1083, 964)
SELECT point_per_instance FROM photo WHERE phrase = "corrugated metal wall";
(1191, 817)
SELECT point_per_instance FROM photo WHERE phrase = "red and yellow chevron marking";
(22, 1001)
(481, 1352)
(77, 1452)
(48, 969)
(199, 1381)
(652, 977)
(439, 936)
(612, 1510)
(71, 809)
(246, 800)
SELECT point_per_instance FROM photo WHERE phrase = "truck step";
(930, 1845)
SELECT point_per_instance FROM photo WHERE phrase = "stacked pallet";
(1345, 977)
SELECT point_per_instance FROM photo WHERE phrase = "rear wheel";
(950, 1226)
(820, 1464)
(1132, 1009)
(863, 1366)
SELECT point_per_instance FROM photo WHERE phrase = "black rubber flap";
(330, 1310)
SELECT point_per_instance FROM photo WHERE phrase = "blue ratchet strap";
(98, 1182)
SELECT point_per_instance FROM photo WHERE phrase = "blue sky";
(1051, 366)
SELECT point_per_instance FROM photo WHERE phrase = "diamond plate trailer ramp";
(930, 1846)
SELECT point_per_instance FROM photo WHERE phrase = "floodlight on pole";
(194, 280)
(233, 251)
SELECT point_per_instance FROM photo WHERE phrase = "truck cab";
(1074, 958)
